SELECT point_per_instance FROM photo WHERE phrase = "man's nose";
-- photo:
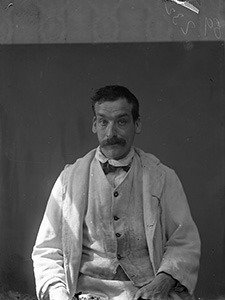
(111, 130)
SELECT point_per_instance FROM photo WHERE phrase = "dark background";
(46, 122)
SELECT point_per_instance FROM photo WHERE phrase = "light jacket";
(172, 236)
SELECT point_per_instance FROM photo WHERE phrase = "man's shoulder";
(82, 162)
(151, 161)
(157, 171)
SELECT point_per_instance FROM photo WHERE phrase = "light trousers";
(107, 289)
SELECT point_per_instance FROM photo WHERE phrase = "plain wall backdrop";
(46, 119)
(99, 21)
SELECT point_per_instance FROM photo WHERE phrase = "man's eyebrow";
(119, 116)
(123, 115)
(100, 115)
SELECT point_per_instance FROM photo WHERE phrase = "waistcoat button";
(116, 194)
(118, 234)
(115, 218)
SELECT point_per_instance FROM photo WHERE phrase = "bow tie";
(107, 168)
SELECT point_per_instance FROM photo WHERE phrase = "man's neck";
(120, 162)
(115, 158)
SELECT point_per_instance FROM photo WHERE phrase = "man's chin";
(113, 151)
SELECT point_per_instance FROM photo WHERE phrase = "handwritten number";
(188, 25)
(206, 24)
(212, 24)
(216, 29)
(169, 12)
(176, 17)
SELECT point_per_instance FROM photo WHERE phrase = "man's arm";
(47, 253)
(179, 266)
(182, 247)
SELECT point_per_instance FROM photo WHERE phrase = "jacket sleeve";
(47, 252)
(182, 242)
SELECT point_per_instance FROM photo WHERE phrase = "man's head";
(116, 120)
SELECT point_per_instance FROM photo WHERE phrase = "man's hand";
(158, 289)
(58, 294)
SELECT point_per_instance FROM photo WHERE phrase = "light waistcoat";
(113, 232)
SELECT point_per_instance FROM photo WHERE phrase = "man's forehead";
(117, 107)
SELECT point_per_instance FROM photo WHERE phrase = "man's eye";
(122, 122)
(102, 122)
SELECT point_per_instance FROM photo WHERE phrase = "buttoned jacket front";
(172, 237)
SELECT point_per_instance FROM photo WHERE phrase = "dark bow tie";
(107, 168)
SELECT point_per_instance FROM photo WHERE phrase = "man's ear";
(138, 125)
(94, 125)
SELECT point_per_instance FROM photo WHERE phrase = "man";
(117, 224)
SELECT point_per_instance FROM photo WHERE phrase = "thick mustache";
(113, 141)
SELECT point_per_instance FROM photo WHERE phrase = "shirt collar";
(121, 162)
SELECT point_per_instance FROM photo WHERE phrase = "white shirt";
(115, 178)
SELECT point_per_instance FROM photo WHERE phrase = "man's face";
(115, 127)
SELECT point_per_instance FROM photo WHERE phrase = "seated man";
(117, 224)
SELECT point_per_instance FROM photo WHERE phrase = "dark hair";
(113, 93)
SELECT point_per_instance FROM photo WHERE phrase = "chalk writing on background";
(169, 11)
(212, 24)
(185, 32)
(177, 17)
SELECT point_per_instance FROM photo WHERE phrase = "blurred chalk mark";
(9, 5)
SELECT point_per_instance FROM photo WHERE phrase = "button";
(115, 218)
(118, 234)
(116, 194)
(119, 256)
